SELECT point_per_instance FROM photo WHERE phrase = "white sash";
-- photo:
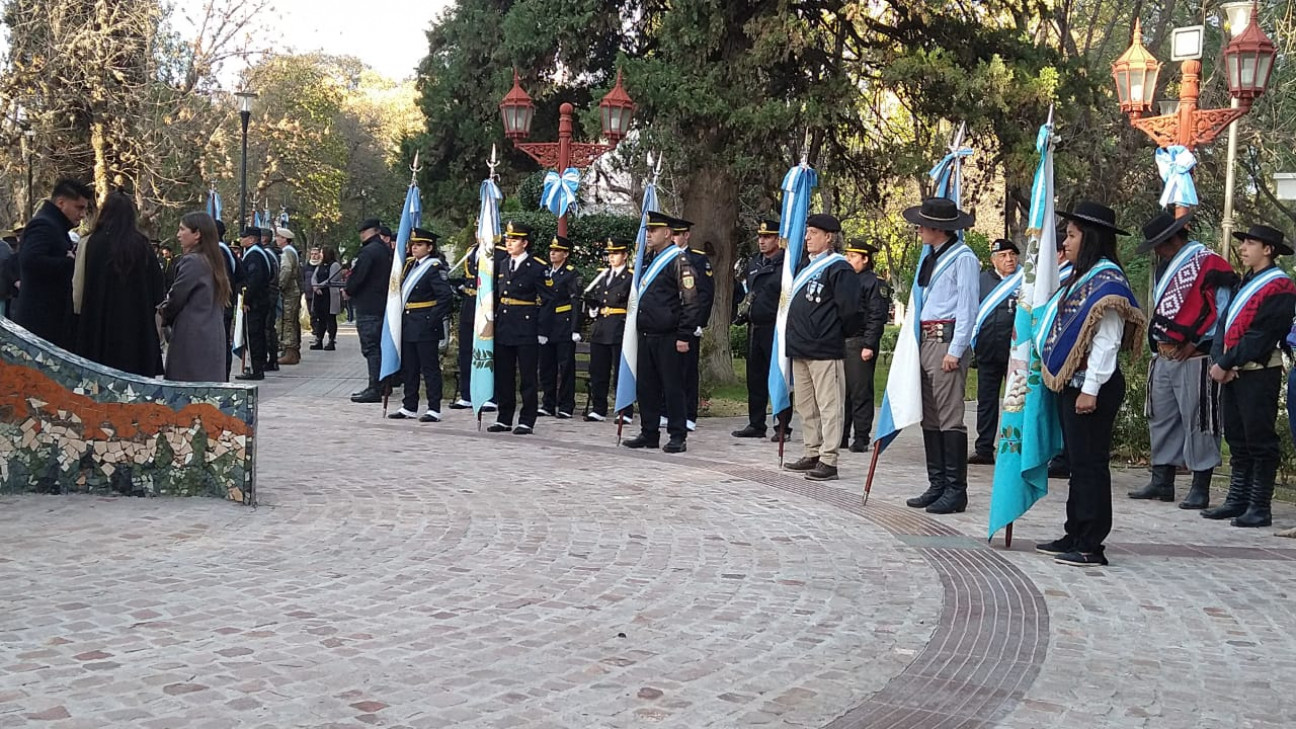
(660, 262)
(999, 294)
(1179, 261)
(1251, 289)
(812, 271)
(269, 259)
(414, 276)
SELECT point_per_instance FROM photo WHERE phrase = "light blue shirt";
(956, 295)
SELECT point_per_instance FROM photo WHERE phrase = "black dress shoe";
(398, 415)
(1082, 559)
(675, 446)
(460, 405)
(367, 396)
(859, 446)
(981, 459)
(641, 441)
(429, 418)
(498, 428)
(316, 346)
(250, 376)
(750, 431)
(1056, 547)
(822, 472)
(803, 465)
(330, 347)
(522, 430)
(272, 367)
(787, 436)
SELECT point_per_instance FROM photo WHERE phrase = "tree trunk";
(711, 201)
(99, 143)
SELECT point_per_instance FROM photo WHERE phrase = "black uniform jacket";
(672, 303)
(764, 285)
(519, 296)
(607, 302)
(560, 316)
(370, 274)
(871, 314)
(820, 312)
(705, 284)
(258, 272)
(995, 339)
(428, 304)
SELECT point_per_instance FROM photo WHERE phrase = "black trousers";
(323, 321)
(689, 377)
(605, 359)
(1088, 442)
(229, 341)
(558, 375)
(1248, 411)
(369, 327)
(990, 379)
(467, 312)
(256, 335)
(859, 391)
(514, 362)
(272, 339)
(421, 359)
(760, 350)
(658, 380)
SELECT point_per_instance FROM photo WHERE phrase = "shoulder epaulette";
(570, 267)
(700, 253)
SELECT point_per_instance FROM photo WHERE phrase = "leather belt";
(420, 305)
(609, 311)
(563, 309)
(470, 292)
(938, 331)
(517, 302)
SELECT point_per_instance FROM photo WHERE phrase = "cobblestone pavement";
(432, 575)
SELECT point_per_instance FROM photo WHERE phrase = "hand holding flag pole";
(398, 260)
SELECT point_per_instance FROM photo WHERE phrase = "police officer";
(607, 299)
(681, 231)
(666, 317)
(520, 292)
(758, 309)
(560, 322)
(427, 297)
(863, 340)
(258, 271)
(992, 341)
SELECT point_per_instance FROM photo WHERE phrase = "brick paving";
(411, 575)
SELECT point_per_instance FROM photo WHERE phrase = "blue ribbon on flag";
(1175, 163)
(560, 191)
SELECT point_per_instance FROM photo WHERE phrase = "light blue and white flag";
(627, 391)
(482, 383)
(256, 220)
(411, 213)
(902, 400)
(798, 185)
(214, 207)
(1029, 432)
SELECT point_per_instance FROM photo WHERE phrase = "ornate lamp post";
(616, 110)
(245, 113)
(1249, 59)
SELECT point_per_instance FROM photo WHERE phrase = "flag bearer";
(520, 292)
(427, 296)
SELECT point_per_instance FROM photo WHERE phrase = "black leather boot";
(1258, 513)
(1199, 493)
(1161, 487)
(935, 471)
(954, 501)
(1238, 497)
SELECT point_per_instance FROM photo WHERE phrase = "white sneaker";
(691, 425)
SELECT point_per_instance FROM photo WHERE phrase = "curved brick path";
(578, 585)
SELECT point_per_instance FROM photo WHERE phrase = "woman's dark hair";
(330, 256)
(209, 248)
(1096, 243)
(117, 228)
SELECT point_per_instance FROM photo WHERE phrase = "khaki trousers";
(820, 389)
(942, 392)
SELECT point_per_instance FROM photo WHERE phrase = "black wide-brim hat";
(1094, 215)
(939, 213)
(1160, 229)
(1268, 236)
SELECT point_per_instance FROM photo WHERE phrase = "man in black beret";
(992, 340)
(367, 288)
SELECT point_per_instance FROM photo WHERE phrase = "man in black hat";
(1192, 284)
(666, 317)
(681, 232)
(863, 340)
(823, 300)
(947, 281)
(992, 341)
(258, 271)
(367, 287)
(607, 297)
(520, 293)
(758, 309)
(560, 331)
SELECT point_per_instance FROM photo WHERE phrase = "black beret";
(369, 223)
(824, 222)
(1003, 244)
(250, 231)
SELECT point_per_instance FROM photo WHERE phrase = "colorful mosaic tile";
(69, 425)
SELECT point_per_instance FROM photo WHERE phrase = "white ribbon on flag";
(1175, 163)
(560, 191)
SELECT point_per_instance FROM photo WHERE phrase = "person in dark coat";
(122, 288)
(234, 270)
(367, 287)
(666, 316)
(258, 271)
(8, 271)
(681, 231)
(863, 342)
(276, 301)
(560, 325)
(46, 261)
(520, 292)
(326, 304)
(992, 340)
(427, 297)
(194, 308)
(607, 297)
(758, 297)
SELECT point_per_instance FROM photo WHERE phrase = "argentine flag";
(411, 213)
(214, 207)
(626, 392)
(798, 185)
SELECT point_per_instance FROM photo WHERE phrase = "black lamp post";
(245, 113)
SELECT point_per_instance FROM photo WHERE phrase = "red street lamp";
(1136, 74)
(615, 111)
(1249, 59)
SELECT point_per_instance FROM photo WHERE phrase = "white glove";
(697, 332)
(544, 340)
(575, 336)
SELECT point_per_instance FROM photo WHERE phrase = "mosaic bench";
(69, 425)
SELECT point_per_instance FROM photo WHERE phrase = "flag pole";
(868, 482)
